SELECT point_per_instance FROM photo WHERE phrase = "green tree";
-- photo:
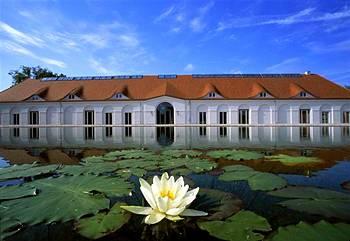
(25, 72)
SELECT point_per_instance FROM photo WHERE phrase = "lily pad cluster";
(244, 225)
(321, 231)
(315, 201)
(236, 155)
(103, 223)
(261, 181)
(59, 199)
(293, 160)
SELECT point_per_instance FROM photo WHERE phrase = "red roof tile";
(183, 87)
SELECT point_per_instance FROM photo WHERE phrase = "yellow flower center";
(167, 193)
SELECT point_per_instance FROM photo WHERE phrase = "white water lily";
(167, 199)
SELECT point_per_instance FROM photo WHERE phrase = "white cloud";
(96, 40)
(98, 67)
(296, 18)
(189, 68)
(128, 40)
(19, 36)
(204, 9)
(287, 65)
(197, 24)
(165, 14)
(304, 16)
(326, 48)
(175, 30)
(12, 47)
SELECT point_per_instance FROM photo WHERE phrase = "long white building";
(266, 99)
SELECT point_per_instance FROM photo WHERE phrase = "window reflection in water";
(177, 137)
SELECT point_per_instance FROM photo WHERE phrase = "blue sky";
(108, 37)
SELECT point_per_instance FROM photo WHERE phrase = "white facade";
(267, 112)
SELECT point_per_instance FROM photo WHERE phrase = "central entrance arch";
(165, 113)
(165, 116)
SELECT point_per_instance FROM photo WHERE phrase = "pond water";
(290, 183)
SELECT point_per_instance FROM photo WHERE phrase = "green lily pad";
(18, 191)
(181, 172)
(64, 198)
(181, 153)
(103, 224)
(129, 154)
(96, 168)
(237, 155)
(218, 204)
(262, 181)
(200, 165)
(293, 160)
(316, 201)
(26, 170)
(92, 159)
(126, 173)
(194, 164)
(138, 163)
(321, 231)
(241, 226)
(9, 227)
(233, 168)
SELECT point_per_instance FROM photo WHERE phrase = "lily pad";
(316, 201)
(96, 168)
(9, 227)
(103, 224)
(262, 181)
(321, 231)
(26, 170)
(181, 153)
(181, 172)
(218, 204)
(126, 173)
(129, 154)
(18, 191)
(138, 163)
(194, 164)
(241, 226)
(237, 155)
(64, 198)
(293, 160)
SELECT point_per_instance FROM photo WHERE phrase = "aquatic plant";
(316, 201)
(241, 226)
(236, 155)
(167, 199)
(292, 160)
(262, 181)
(321, 231)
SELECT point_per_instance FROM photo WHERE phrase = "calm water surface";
(69, 145)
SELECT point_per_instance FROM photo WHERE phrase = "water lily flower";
(167, 199)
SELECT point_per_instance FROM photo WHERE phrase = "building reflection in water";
(175, 137)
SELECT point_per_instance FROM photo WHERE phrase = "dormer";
(38, 95)
(35, 98)
(296, 91)
(213, 95)
(74, 94)
(304, 94)
(263, 95)
(211, 92)
(119, 96)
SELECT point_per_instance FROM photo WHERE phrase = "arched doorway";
(165, 116)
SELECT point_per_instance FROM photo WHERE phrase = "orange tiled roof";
(183, 87)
